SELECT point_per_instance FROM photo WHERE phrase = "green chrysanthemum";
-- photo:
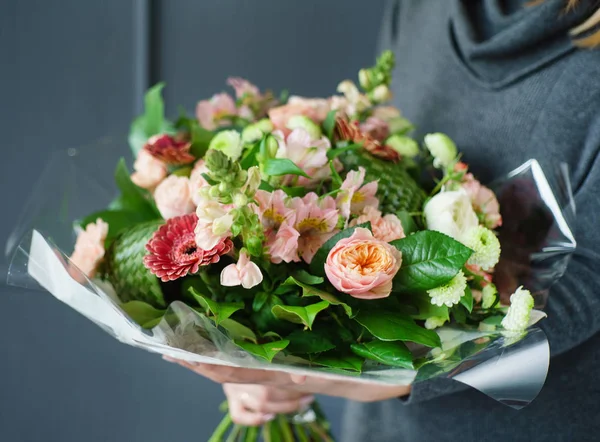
(485, 245)
(450, 293)
(519, 312)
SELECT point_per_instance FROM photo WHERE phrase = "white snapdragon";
(442, 148)
(450, 293)
(519, 312)
(451, 213)
(485, 246)
(229, 142)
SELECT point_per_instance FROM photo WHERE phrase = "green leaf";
(408, 223)
(348, 361)
(199, 136)
(429, 260)
(249, 159)
(134, 198)
(308, 342)
(306, 278)
(266, 186)
(334, 153)
(336, 179)
(153, 323)
(142, 313)
(117, 220)
(238, 331)
(317, 265)
(309, 290)
(299, 191)
(459, 313)
(395, 354)
(392, 326)
(264, 351)
(299, 315)
(427, 309)
(151, 122)
(494, 320)
(220, 310)
(467, 300)
(259, 300)
(329, 124)
(282, 166)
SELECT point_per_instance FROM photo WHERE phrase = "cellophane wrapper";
(536, 237)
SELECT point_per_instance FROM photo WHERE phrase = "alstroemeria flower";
(272, 209)
(244, 273)
(484, 201)
(307, 153)
(214, 112)
(354, 196)
(283, 244)
(316, 220)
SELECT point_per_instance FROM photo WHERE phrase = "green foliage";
(134, 198)
(392, 326)
(394, 354)
(467, 300)
(265, 351)
(299, 314)
(238, 331)
(220, 310)
(199, 137)
(282, 166)
(309, 290)
(142, 313)
(329, 124)
(308, 342)
(151, 122)
(340, 361)
(429, 260)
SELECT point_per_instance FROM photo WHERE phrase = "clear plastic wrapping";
(537, 208)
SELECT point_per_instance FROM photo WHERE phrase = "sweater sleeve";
(573, 305)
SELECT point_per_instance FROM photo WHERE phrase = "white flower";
(442, 148)
(488, 295)
(450, 293)
(353, 96)
(405, 146)
(485, 246)
(434, 322)
(380, 94)
(214, 223)
(451, 213)
(229, 142)
(303, 122)
(521, 304)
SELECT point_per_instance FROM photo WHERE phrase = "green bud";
(214, 192)
(251, 134)
(302, 122)
(405, 146)
(364, 79)
(254, 245)
(224, 187)
(229, 142)
(240, 200)
(265, 125)
(380, 94)
(442, 149)
(217, 162)
(272, 146)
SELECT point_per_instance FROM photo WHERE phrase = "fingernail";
(306, 401)
(268, 417)
(168, 359)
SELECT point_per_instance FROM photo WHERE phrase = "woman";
(509, 80)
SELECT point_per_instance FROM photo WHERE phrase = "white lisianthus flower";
(302, 122)
(229, 142)
(485, 246)
(442, 148)
(434, 322)
(450, 293)
(405, 146)
(519, 312)
(488, 295)
(451, 213)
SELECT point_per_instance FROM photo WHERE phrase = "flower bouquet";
(306, 235)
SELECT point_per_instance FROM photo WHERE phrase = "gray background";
(72, 71)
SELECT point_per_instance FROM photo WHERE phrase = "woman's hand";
(353, 390)
(254, 405)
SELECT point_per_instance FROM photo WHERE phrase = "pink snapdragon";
(316, 220)
(354, 196)
(148, 171)
(283, 245)
(244, 273)
(385, 228)
(214, 112)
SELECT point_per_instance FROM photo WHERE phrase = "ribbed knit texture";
(505, 82)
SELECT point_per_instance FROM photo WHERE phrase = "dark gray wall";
(71, 72)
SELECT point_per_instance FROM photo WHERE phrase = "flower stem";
(221, 429)
(252, 434)
(301, 432)
(286, 430)
(235, 431)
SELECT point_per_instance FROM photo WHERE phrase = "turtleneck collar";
(500, 41)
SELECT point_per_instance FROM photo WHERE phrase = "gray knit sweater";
(506, 83)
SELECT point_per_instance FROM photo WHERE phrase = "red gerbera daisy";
(170, 150)
(346, 130)
(173, 250)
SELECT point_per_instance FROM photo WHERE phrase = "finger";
(242, 416)
(255, 403)
(263, 393)
(235, 375)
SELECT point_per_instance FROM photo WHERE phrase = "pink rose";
(363, 266)
(197, 180)
(211, 113)
(314, 108)
(173, 197)
(385, 228)
(89, 248)
(244, 273)
(148, 171)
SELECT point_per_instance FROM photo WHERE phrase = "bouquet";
(301, 234)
